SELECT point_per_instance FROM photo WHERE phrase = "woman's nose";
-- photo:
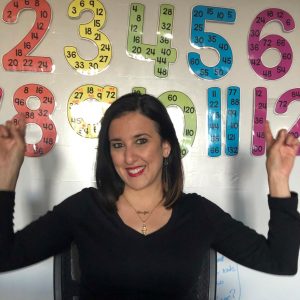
(130, 155)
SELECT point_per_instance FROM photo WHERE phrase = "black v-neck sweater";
(118, 262)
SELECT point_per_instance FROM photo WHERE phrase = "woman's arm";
(42, 238)
(281, 154)
(278, 253)
(12, 150)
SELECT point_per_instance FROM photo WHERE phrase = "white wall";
(238, 183)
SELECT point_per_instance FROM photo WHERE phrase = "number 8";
(39, 116)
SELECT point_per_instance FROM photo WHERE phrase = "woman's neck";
(142, 200)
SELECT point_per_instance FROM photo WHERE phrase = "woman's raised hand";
(12, 150)
(281, 154)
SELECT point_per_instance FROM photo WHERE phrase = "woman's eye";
(141, 141)
(116, 145)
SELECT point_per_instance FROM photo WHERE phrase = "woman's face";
(137, 151)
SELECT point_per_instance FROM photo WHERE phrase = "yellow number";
(90, 31)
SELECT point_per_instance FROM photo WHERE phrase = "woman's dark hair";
(109, 183)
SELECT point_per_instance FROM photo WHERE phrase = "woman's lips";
(136, 171)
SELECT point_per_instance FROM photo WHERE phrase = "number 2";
(282, 105)
(18, 59)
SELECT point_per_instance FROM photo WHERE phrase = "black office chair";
(205, 287)
(67, 277)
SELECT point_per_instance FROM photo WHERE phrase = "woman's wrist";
(279, 186)
(8, 182)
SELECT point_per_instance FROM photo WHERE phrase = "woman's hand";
(281, 154)
(12, 150)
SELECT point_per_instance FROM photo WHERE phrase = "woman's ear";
(166, 149)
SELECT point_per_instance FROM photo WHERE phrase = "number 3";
(90, 31)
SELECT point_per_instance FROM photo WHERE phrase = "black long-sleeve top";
(118, 262)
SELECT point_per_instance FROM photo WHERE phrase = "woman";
(138, 235)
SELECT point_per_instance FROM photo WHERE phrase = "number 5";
(201, 39)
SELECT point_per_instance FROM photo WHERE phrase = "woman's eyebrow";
(142, 134)
(135, 136)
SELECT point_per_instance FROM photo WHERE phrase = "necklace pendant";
(144, 229)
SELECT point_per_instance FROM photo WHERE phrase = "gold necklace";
(144, 229)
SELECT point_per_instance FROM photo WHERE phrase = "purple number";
(260, 114)
(258, 45)
(282, 105)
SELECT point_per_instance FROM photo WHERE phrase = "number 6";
(257, 46)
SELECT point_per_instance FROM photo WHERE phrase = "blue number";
(201, 39)
(232, 121)
(214, 122)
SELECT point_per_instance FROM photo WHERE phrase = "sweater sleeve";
(277, 253)
(41, 239)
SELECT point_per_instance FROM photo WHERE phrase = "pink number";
(260, 114)
(282, 105)
(18, 59)
(257, 45)
(39, 116)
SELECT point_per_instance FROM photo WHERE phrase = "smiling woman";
(139, 236)
(138, 122)
(137, 153)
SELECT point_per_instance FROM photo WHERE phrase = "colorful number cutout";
(214, 118)
(84, 112)
(39, 116)
(257, 45)
(18, 58)
(232, 121)
(259, 119)
(214, 122)
(181, 100)
(201, 39)
(260, 116)
(162, 53)
(139, 90)
(282, 105)
(90, 31)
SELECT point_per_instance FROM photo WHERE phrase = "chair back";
(205, 287)
(66, 275)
